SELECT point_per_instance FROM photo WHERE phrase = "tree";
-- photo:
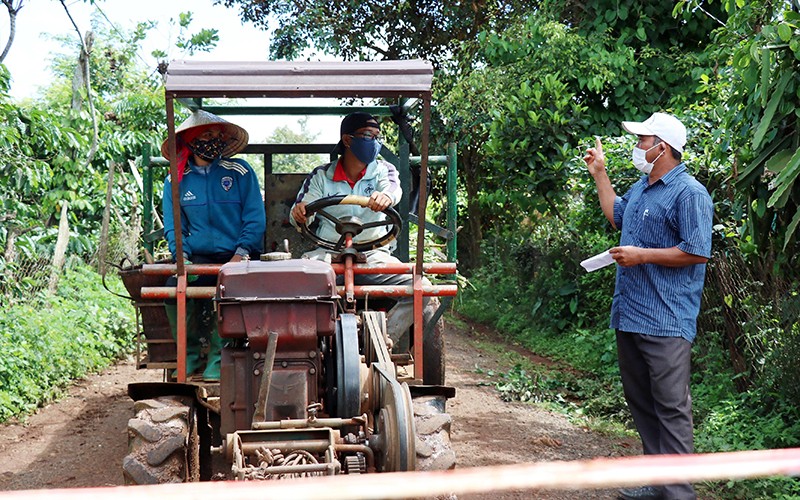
(380, 29)
(36, 172)
(668, 48)
(551, 72)
(41, 137)
(203, 40)
(29, 140)
(758, 55)
(294, 163)
(526, 96)
(82, 80)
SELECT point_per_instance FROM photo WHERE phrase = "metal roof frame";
(299, 79)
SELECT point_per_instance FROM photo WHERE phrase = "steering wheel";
(350, 224)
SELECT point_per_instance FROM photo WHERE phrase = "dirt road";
(81, 439)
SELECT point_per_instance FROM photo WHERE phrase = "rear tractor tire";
(433, 356)
(163, 444)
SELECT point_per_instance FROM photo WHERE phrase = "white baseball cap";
(668, 128)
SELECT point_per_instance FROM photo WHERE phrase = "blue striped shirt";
(675, 211)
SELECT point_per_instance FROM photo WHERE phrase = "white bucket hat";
(238, 136)
(668, 128)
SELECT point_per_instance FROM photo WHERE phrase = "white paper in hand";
(598, 261)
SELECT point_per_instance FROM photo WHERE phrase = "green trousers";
(199, 323)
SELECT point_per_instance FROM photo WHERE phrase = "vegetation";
(295, 163)
(382, 29)
(48, 342)
(522, 88)
(46, 338)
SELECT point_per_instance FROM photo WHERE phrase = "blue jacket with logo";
(222, 211)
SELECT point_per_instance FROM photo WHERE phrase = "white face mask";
(639, 158)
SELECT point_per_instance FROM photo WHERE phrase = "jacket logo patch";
(227, 183)
(368, 189)
(189, 196)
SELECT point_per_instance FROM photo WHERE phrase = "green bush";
(577, 392)
(52, 340)
(534, 290)
(752, 420)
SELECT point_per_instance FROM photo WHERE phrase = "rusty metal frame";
(338, 268)
(358, 291)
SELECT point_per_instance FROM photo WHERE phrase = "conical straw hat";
(238, 136)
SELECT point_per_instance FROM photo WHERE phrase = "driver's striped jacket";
(379, 176)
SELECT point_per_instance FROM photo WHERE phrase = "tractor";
(311, 383)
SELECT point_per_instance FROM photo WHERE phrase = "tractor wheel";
(433, 364)
(432, 426)
(163, 443)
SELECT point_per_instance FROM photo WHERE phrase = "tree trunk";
(12, 25)
(81, 70)
(102, 253)
(473, 234)
(735, 336)
(82, 75)
(10, 254)
(61, 249)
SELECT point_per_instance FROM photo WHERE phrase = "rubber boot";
(211, 373)
(192, 341)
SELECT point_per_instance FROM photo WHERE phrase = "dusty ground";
(77, 441)
(81, 439)
(488, 431)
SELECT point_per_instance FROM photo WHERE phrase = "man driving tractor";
(358, 171)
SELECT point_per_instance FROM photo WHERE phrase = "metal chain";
(271, 458)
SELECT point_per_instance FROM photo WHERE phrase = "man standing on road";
(665, 219)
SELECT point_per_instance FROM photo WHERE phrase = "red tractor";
(310, 384)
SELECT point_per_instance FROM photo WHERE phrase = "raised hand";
(595, 159)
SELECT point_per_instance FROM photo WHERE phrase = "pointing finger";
(598, 144)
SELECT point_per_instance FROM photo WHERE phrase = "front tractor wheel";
(163, 443)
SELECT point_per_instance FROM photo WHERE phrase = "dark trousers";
(655, 378)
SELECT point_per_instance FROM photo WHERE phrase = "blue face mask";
(366, 150)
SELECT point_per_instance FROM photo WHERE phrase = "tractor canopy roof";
(299, 79)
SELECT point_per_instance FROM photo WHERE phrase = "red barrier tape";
(577, 475)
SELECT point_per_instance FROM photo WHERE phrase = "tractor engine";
(296, 299)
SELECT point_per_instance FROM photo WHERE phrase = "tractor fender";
(151, 390)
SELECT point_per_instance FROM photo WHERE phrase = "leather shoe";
(642, 492)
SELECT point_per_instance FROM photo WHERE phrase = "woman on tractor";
(222, 220)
